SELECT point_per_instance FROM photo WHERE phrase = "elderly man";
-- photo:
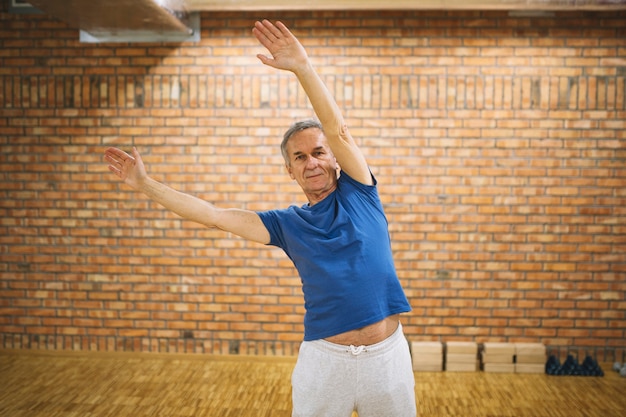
(354, 356)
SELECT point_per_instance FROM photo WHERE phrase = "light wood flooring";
(83, 384)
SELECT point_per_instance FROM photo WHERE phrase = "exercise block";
(531, 359)
(428, 366)
(495, 353)
(461, 357)
(461, 347)
(499, 348)
(427, 347)
(497, 358)
(499, 367)
(427, 356)
(461, 367)
(530, 368)
(530, 349)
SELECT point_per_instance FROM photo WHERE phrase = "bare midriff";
(367, 335)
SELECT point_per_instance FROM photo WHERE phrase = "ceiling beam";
(114, 15)
(251, 5)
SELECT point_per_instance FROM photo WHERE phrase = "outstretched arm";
(289, 54)
(131, 170)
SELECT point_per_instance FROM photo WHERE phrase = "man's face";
(312, 164)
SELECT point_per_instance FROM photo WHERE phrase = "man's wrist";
(305, 70)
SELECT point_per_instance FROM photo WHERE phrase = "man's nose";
(311, 162)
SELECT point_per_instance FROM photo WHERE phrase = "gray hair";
(295, 128)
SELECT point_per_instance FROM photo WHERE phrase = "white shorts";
(332, 380)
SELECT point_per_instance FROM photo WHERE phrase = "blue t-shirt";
(342, 251)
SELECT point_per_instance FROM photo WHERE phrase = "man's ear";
(289, 171)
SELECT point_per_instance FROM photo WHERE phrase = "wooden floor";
(62, 384)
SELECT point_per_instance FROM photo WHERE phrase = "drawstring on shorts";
(356, 350)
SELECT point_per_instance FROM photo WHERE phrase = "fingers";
(259, 32)
(136, 157)
(271, 31)
(266, 60)
(283, 29)
(266, 32)
(115, 170)
(118, 160)
(281, 44)
(118, 156)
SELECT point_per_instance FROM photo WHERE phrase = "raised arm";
(289, 54)
(131, 170)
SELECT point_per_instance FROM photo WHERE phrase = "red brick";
(501, 184)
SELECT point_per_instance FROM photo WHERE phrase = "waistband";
(377, 348)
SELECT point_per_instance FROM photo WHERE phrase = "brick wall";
(499, 144)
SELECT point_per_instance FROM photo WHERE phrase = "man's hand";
(128, 168)
(287, 52)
